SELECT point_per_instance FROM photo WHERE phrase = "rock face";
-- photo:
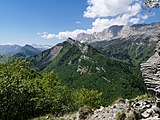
(115, 32)
(151, 73)
(54, 52)
(151, 69)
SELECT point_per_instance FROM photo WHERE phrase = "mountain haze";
(9, 50)
(17, 50)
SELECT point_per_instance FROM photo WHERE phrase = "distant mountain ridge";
(134, 43)
(122, 31)
(27, 50)
(17, 50)
(135, 49)
(9, 50)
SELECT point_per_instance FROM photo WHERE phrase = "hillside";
(134, 49)
(82, 66)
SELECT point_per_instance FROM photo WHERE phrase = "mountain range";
(82, 66)
(134, 43)
(107, 61)
(27, 50)
(122, 31)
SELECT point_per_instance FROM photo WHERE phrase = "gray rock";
(151, 72)
(116, 31)
(156, 109)
(147, 113)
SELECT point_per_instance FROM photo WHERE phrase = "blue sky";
(52, 21)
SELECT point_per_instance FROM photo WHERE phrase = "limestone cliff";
(151, 69)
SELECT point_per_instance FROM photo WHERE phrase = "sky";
(48, 22)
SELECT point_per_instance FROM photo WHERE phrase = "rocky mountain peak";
(116, 31)
(81, 46)
(71, 41)
(85, 37)
(28, 46)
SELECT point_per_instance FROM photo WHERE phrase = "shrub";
(90, 98)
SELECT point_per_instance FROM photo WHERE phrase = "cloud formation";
(103, 8)
(78, 22)
(46, 35)
(61, 35)
(106, 13)
(132, 16)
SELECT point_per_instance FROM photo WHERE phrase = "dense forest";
(25, 93)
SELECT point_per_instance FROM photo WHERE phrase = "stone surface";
(151, 72)
(147, 113)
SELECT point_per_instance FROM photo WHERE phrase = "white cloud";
(103, 8)
(114, 12)
(132, 11)
(101, 24)
(46, 35)
(145, 17)
(134, 20)
(78, 22)
(72, 34)
(61, 35)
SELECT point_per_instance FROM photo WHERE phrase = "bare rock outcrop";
(151, 69)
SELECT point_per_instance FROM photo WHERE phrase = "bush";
(146, 96)
(90, 98)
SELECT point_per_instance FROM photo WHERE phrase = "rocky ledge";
(126, 110)
(151, 69)
(140, 108)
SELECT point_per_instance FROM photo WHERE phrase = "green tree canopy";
(25, 93)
